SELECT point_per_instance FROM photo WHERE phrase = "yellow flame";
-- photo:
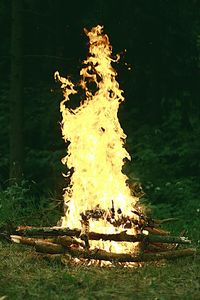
(96, 151)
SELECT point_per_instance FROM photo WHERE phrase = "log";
(23, 240)
(65, 241)
(48, 247)
(167, 239)
(44, 246)
(47, 231)
(68, 241)
(164, 221)
(141, 257)
(158, 247)
(122, 236)
(156, 230)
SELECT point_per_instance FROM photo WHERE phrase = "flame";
(96, 152)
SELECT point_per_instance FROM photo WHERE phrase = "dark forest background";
(161, 114)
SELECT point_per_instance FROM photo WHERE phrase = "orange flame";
(96, 151)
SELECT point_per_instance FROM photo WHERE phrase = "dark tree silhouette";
(16, 105)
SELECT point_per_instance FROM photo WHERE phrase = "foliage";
(161, 113)
(18, 206)
(4, 124)
(166, 158)
(179, 199)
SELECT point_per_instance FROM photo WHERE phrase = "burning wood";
(98, 254)
(154, 245)
(98, 198)
(65, 241)
(103, 218)
(119, 237)
(63, 245)
(58, 240)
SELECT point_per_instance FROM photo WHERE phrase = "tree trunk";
(16, 91)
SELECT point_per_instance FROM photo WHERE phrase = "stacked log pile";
(155, 243)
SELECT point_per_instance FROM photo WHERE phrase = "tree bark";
(16, 91)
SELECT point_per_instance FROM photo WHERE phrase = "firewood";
(155, 247)
(44, 246)
(122, 236)
(65, 241)
(23, 240)
(156, 230)
(167, 239)
(152, 251)
(98, 254)
(47, 231)
(48, 247)
(164, 221)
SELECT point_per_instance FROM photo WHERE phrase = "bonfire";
(103, 220)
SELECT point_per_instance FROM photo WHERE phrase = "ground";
(24, 275)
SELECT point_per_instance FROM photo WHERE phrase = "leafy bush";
(18, 206)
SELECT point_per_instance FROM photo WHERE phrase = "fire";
(98, 197)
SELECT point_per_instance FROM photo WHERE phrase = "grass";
(26, 276)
